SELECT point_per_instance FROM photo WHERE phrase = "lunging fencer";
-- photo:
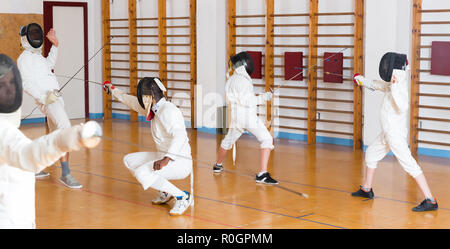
(393, 137)
(40, 83)
(243, 102)
(172, 160)
(21, 158)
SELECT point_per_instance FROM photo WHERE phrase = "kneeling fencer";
(40, 83)
(173, 160)
(243, 102)
(393, 115)
(21, 158)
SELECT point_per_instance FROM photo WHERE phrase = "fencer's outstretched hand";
(82, 135)
(51, 36)
(108, 87)
(358, 79)
(161, 163)
(52, 96)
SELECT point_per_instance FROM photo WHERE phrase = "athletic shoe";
(41, 174)
(362, 193)
(181, 204)
(426, 205)
(162, 198)
(217, 168)
(70, 181)
(266, 179)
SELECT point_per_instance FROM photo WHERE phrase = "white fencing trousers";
(140, 165)
(56, 115)
(378, 149)
(259, 131)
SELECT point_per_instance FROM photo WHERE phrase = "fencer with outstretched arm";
(172, 160)
(393, 137)
(21, 157)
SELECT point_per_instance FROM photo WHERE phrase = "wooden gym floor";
(112, 198)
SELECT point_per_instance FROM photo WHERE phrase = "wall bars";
(309, 105)
(151, 46)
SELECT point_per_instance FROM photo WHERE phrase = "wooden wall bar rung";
(335, 24)
(179, 89)
(117, 19)
(334, 35)
(335, 100)
(177, 18)
(291, 107)
(148, 44)
(289, 46)
(435, 34)
(152, 36)
(119, 69)
(336, 14)
(334, 46)
(249, 45)
(434, 119)
(290, 15)
(178, 80)
(178, 62)
(177, 44)
(146, 61)
(118, 36)
(434, 10)
(176, 53)
(177, 71)
(291, 25)
(334, 111)
(291, 35)
(432, 142)
(291, 127)
(425, 23)
(177, 26)
(335, 132)
(434, 107)
(117, 52)
(334, 89)
(187, 35)
(148, 70)
(433, 131)
(249, 26)
(249, 35)
(147, 19)
(112, 60)
(119, 44)
(434, 95)
(293, 97)
(247, 16)
(334, 121)
(149, 53)
(433, 83)
(118, 27)
(294, 118)
(146, 27)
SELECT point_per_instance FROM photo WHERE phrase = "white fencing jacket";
(20, 159)
(242, 99)
(168, 127)
(394, 109)
(36, 71)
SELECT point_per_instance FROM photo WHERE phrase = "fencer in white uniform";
(243, 102)
(40, 82)
(21, 157)
(393, 137)
(172, 160)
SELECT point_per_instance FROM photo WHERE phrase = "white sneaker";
(162, 198)
(181, 205)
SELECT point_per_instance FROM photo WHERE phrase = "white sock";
(171, 189)
(262, 172)
(219, 164)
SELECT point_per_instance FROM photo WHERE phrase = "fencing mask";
(389, 62)
(243, 58)
(10, 91)
(34, 34)
(148, 89)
